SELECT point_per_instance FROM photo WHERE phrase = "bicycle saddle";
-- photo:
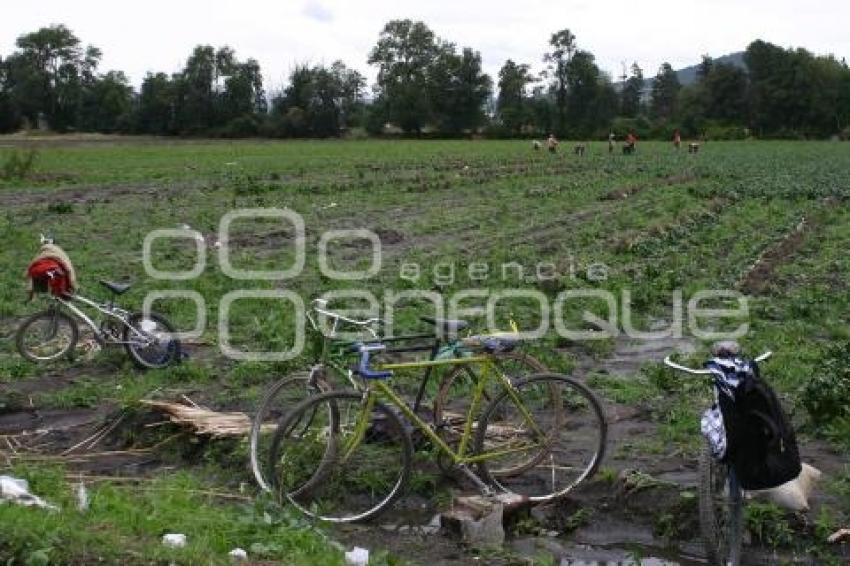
(491, 344)
(117, 288)
(444, 325)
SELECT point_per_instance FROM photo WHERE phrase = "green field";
(767, 219)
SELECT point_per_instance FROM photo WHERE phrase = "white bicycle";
(51, 334)
(721, 500)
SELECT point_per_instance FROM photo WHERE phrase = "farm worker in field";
(552, 143)
(631, 140)
(611, 138)
(677, 138)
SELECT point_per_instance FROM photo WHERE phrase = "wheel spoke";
(546, 459)
(348, 464)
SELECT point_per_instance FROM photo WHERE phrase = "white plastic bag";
(792, 495)
(17, 490)
(714, 431)
(174, 540)
(357, 557)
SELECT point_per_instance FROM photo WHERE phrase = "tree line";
(425, 86)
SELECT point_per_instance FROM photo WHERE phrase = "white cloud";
(158, 35)
(315, 11)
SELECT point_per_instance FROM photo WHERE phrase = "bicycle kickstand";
(485, 489)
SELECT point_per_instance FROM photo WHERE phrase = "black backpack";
(761, 445)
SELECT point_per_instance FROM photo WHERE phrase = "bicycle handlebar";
(319, 307)
(670, 363)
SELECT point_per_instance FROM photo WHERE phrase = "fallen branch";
(98, 435)
(202, 420)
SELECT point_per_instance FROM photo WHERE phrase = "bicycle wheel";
(336, 460)
(282, 396)
(451, 403)
(545, 444)
(47, 336)
(720, 511)
(158, 348)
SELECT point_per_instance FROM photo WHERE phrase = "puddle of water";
(573, 554)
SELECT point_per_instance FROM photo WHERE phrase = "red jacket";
(49, 274)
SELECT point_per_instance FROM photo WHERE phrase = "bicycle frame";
(108, 310)
(328, 350)
(377, 388)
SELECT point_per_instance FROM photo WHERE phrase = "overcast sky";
(157, 35)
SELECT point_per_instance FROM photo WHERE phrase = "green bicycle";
(344, 456)
(331, 355)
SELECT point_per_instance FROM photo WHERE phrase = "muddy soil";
(83, 194)
(607, 520)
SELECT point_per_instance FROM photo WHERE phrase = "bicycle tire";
(334, 479)
(720, 514)
(56, 315)
(172, 350)
(271, 399)
(572, 408)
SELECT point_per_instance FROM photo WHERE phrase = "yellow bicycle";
(345, 456)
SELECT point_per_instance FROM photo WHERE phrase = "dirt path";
(82, 194)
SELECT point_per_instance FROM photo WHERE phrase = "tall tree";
(156, 106)
(350, 87)
(458, 90)
(10, 116)
(197, 112)
(214, 89)
(725, 91)
(563, 44)
(243, 90)
(107, 104)
(512, 106)
(665, 91)
(543, 109)
(404, 54)
(630, 96)
(318, 101)
(583, 87)
(48, 74)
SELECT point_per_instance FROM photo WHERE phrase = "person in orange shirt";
(631, 140)
(677, 138)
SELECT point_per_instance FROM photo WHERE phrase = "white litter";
(16, 490)
(147, 325)
(839, 536)
(357, 556)
(82, 497)
(238, 554)
(174, 540)
(793, 495)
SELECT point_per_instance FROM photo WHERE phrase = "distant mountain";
(688, 75)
